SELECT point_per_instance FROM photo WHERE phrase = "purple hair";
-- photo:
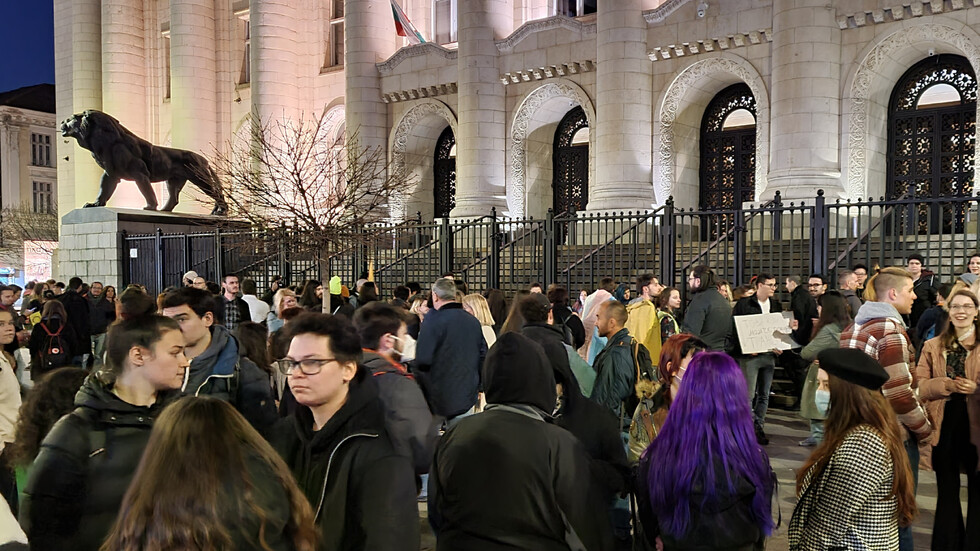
(709, 423)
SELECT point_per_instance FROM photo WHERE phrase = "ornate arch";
(673, 99)
(870, 69)
(398, 143)
(519, 130)
(334, 121)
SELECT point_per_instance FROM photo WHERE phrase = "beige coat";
(933, 389)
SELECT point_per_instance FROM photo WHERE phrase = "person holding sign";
(758, 367)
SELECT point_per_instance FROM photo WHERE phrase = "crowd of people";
(317, 417)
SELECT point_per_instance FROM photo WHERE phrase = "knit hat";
(335, 285)
(916, 256)
(191, 275)
(969, 278)
(853, 366)
(517, 371)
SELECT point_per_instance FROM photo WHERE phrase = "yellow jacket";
(644, 324)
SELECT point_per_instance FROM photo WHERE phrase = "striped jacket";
(879, 332)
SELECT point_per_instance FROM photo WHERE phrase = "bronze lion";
(123, 155)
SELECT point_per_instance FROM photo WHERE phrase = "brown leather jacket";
(934, 389)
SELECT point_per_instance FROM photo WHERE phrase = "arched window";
(728, 149)
(932, 137)
(571, 162)
(444, 188)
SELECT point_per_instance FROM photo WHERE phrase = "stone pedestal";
(91, 244)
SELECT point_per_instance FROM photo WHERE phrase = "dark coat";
(709, 318)
(595, 426)
(79, 317)
(412, 428)
(244, 313)
(747, 306)
(504, 479)
(615, 374)
(83, 469)
(221, 373)
(101, 314)
(804, 308)
(926, 290)
(565, 316)
(362, 492)
(727, 525)
(448, 358)
(39, 341)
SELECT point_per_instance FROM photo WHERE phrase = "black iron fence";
(577, 249)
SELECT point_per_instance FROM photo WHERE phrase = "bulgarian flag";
(404, 26)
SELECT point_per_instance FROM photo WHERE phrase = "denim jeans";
(758, 372)
(905, 540)
(816, 430)
(98, 349)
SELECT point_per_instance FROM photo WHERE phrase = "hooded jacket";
(879, 331)
(615, 373)
(448, 357)
(362, 492)
(926, 290)
(507, 478)
(84, 468)
(412, 428)
(220, 372)
(644, 324)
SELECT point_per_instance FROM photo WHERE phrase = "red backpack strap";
(48, 331)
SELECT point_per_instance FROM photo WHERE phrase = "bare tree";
(327, 190)
(23, 223)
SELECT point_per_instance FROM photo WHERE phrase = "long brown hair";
(833, 309)
(948, 336)
(850, 406)
(198, 454)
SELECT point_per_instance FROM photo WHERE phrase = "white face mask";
(407, 352)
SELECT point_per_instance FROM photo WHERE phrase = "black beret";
(853, 366)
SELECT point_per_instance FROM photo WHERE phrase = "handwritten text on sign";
(765, 332)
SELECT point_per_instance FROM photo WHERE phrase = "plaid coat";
(884, 339)
(848, 505)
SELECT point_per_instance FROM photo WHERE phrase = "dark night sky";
(26, 43)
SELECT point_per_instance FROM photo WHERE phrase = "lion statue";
(123, 155)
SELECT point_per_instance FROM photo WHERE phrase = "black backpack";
(54, 354)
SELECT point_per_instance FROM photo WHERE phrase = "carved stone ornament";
(508, 44)
(388, 66)
(660, 13)
(682, 86)
(399, 145)
(869, 70)
(516, 192)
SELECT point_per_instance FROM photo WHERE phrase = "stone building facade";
(28, 182)
(526, 105)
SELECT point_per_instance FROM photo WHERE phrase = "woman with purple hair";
(704, 482)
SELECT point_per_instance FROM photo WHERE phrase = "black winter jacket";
(39, 342)
(221, 373)
(594, 425)
(79, 317)
(505, 479)
(747, 306)
(85, 465)
(448, 359)
(565, 316)
(412, 428)
(362, 492)
(727, 525)
(804, 308)
(101, 314)
(709, 318)
(926, 290)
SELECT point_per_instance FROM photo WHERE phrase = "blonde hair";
(892, 277)
(277, 299)
(481, 310)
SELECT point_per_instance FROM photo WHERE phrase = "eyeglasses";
(309, 366)
(962, 308)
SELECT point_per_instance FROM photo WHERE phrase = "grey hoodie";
(877, 310)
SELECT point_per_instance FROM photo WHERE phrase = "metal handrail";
(864, 235)
(725, 236)
(612, 240)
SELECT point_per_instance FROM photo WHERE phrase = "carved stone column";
(624, 96)
(805, 99)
